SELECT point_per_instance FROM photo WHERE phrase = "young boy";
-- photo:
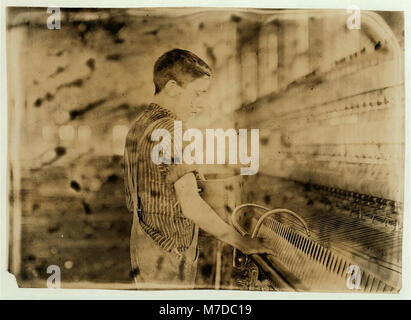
(164, 197)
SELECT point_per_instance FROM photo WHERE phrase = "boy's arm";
(196, 209)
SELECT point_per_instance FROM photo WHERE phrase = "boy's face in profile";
(192, 96)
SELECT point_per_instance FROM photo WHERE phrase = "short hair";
(179, 65)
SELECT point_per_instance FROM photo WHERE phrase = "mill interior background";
(328, 102)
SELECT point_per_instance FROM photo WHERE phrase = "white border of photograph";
(9, 289)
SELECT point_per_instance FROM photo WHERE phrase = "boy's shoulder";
(147, 122)
(155, 114)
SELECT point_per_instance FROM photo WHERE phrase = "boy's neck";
(166, 103)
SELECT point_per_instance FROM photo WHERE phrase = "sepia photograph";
(201, 148)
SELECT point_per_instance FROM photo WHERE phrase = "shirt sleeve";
(177, 168)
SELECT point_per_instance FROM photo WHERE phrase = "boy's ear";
(172, 88)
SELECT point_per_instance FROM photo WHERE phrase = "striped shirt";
(160, 214)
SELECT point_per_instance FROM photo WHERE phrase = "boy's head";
(181, 76)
